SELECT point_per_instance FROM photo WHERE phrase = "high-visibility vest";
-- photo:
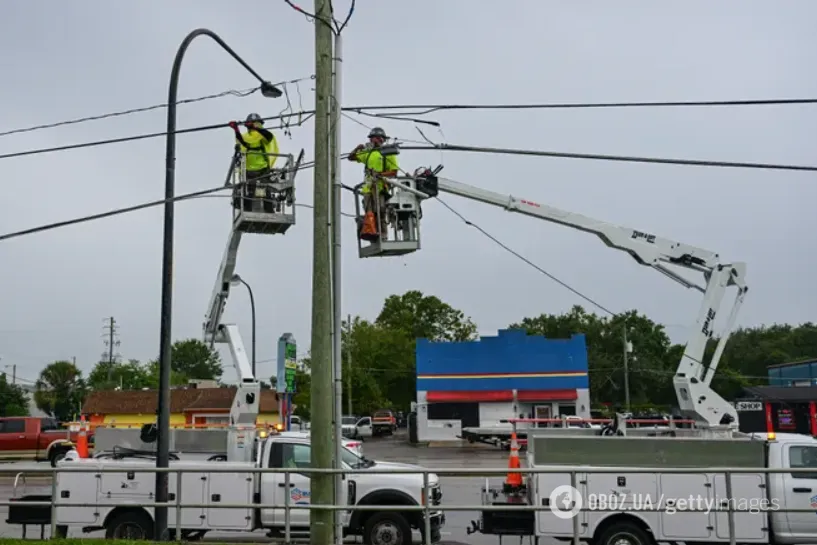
(376, 165)
(258, 150)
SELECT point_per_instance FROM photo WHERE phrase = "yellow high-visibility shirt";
(258, 150)
(375, 163)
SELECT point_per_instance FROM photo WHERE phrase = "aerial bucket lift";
(402, 213)
(696, 399)
(263, 206)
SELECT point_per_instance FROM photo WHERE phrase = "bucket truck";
(270, 210)
(696, 399)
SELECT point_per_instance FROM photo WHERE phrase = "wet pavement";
(456, 490)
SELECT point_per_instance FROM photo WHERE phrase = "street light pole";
(163, 417)
(238, 280)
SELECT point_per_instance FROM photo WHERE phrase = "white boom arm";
(244, 410)
(221, 290)
(692, 378)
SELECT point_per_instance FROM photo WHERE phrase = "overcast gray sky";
(84, 58)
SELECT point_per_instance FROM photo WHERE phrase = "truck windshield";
(353, 460)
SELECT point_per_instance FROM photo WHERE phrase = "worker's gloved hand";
(233, 125)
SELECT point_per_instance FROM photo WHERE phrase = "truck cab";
(794, 490)
(34, 438)
(361, 489)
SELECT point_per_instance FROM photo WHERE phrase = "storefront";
(783, 409)
(480, 384)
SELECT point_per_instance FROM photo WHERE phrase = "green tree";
(127, 376)
(195, 360)
(151, 370)
(425, 316)
(303, 389)
(750, 351)
(651, 364)
(60, 390)
(380, 366)
(13, 399)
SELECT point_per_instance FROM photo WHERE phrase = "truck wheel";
(387, 529)
(130, 525)
(624, 533)
(56, 455)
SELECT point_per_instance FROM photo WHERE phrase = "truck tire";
(56, 455)
(131, 524)
(624, 533)
(387, 528)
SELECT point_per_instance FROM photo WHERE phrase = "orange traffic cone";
(514, 478)
(368, 230)
(82, 438)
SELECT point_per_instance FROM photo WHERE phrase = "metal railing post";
(287, 512)
(730, 514)
(426, 511)
(179, 505)
(573, 483)
(53, 502)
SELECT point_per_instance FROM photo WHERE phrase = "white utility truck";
(213, 483)
(623, 507)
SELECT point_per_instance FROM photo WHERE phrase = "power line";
(230, 92)
(128, 209)
(237, 93)
(114, 212)
(372, 111)
(617, 158)
(430, 108)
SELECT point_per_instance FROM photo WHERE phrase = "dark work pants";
(253, 177)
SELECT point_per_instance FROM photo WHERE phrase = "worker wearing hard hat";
(378, 163)
(259, 148)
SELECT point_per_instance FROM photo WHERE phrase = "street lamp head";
(270, 91)
(235, 280)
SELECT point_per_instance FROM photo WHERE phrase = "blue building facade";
(797, 373)
(481, 383)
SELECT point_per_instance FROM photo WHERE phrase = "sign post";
(285, 380)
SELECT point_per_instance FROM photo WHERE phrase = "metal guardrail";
(427, 509)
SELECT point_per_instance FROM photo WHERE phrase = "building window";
(211, 420)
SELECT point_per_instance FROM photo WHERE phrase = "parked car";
(34, 438)
(295, 424)
(356, 428)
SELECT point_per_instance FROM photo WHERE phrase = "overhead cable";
(619, 158)
(231, 92)
(119, 211)
(430, 108)
(423, 109)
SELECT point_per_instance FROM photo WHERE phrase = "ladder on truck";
(264, 206)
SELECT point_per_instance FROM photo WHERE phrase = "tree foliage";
(195, 360)
(650, 364)
(425, 316)
(60, 390)
(126, 376)
(13, 399)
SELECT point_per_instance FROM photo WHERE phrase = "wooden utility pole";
(322, 484)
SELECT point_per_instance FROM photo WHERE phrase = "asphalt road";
(456, 490)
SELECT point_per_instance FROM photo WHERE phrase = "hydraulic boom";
(693, 376)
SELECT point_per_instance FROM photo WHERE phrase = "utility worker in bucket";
(377, 164)
(260, 149)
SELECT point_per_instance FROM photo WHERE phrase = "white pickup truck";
(626, 508)
(200, 485)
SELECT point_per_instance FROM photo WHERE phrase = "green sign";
(290, 367)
